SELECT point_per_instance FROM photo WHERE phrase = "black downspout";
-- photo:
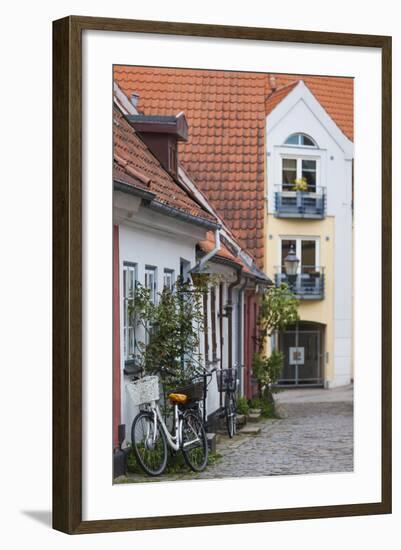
(230, 316)
(240, 334)
(206, 335)
(221, 328)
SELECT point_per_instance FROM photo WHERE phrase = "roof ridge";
(281, 88)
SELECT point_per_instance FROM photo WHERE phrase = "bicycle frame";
(174, 441)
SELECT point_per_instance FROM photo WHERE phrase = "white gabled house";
(303, 141)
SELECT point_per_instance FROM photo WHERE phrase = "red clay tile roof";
(274, 98)
(334, 93)
(225, 153)
(135, 165)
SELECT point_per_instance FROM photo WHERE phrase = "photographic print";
(221, 274)
(233, 274)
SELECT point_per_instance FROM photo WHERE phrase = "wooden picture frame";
(67, 274)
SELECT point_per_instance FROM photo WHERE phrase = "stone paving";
(313, 435)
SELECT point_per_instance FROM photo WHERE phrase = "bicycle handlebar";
(204, 372)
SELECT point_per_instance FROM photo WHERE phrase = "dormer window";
(300, 140)
(162, 134)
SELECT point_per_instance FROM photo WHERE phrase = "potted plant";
(301, 185)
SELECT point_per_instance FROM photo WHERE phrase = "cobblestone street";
(313, 435)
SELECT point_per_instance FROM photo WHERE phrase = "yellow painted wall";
(319, 311)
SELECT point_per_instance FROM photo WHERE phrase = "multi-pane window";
(308, 173)
(151, 284)
(168, 279)
(301, 140)
(185, 266)
(129, 280)
(296, 169)
(289, 173)
(307, 250)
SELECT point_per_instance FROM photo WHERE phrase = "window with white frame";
(185, 267)
(299, 168)
(300, 140)
(151, 284)
(306, 249)
(151, 281)
(168, 279)
(129, 281)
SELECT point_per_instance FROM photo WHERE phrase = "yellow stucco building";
(309, 214)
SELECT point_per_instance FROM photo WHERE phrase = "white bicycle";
(150, 435)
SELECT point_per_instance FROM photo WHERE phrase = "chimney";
(272, 82)
(162, 134)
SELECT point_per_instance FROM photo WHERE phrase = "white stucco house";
(304, 142)
(165, 228)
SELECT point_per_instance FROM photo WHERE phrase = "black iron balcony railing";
(306, 285)
(300, 204)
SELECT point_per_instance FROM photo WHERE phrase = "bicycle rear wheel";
(149, 444)
(231, 414)
(194, 441)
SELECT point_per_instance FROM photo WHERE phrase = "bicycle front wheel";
(194, 442)
(149, 444)
(231, 414)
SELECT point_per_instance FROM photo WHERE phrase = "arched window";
(300, 139)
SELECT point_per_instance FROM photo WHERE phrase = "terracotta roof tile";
(135, 165)
(334, 93)
(225, 153)
(225, 117)
(274, 98)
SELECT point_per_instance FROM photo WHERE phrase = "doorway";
(302, 346)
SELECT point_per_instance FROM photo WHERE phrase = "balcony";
(300, 204)
(306, 285)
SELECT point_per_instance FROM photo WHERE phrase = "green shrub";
(242, 405)
(267, 407)
(176, 463)
(267, 369)
(170, 328)
(269, 410)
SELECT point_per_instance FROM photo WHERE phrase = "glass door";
(302, 349)
(305, 249)
(287, 344)
(308, 256)
(308, 371)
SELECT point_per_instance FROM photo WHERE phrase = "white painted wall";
(229, 275)
(147, 238)
(300, 112)
(155, 240)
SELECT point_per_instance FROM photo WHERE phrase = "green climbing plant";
(171, 326)
(279, 308)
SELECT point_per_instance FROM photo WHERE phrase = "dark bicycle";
(204, 378)
(227, 380)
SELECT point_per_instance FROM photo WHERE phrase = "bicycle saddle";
(180, 398)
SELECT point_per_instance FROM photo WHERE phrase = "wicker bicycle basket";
(194, 390)
(144, 390)
(226, 379)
